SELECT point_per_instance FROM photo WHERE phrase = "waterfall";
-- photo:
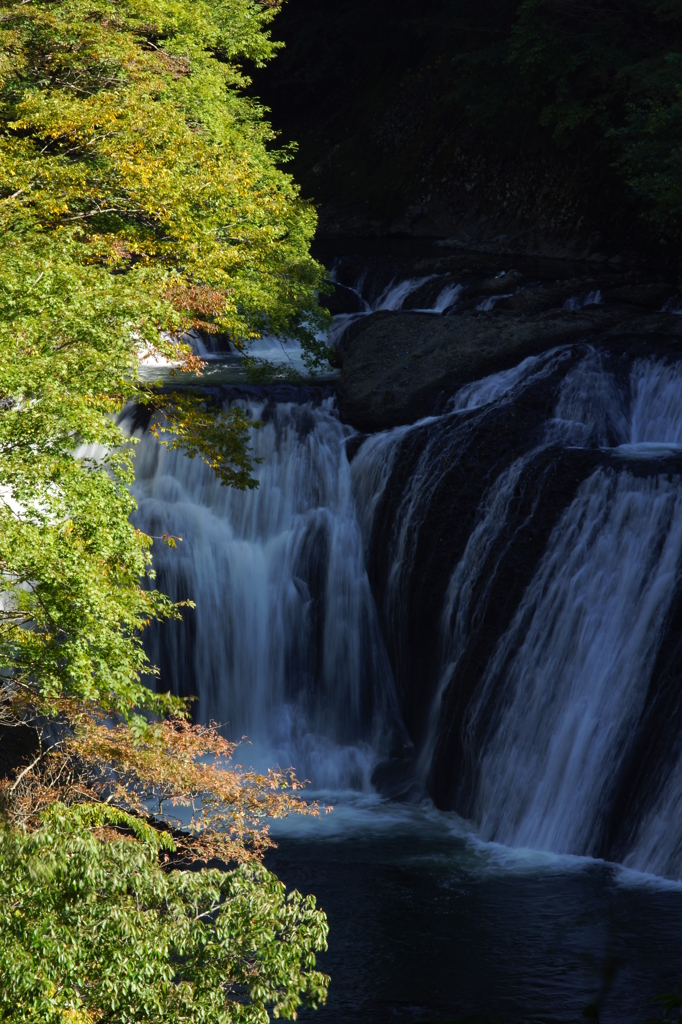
(537, 722)
(431, 293)
(572, 673)
(592, 298)
(284, 644)
(394, 296)
(462, 594)
(656, 405)
(485, 601)
(562, 696)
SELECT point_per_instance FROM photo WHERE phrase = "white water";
(287, 355)
(656, 391)
(285, 647)
(459, 606)
(497, 385)
(488, 305)
(373, 463)
(570, 676)
(584, 639)
(592, 407)
(593, 298)
(448, 297)
(396, 294)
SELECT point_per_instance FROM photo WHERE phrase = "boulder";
(396, 365)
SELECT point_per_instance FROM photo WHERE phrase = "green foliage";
(671, 1005)
(220, 437)
(603, 79)
(651, 147)
(138, 197)
(426, 92)
(92, 928)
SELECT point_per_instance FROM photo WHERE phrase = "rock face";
(398, 367)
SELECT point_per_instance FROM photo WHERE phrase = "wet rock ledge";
(397, 367)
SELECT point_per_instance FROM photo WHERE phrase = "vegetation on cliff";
(604, 79)
(542, 109)
(139, 197)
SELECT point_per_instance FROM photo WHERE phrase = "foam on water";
(421, 832)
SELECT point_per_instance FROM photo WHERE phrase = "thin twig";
(26, 771)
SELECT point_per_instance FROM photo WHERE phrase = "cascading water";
(571, 675)
(432, 293)
(479, 600)
(591, 298)
(481, 611)
(284, 644)
(537, 731)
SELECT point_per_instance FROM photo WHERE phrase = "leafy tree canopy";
(183, 774)
(604, 78)
(93, 929)
(138, 198)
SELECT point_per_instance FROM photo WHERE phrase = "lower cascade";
(483, 608)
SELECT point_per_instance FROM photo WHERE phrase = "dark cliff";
(496, 126)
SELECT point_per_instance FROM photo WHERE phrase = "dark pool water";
(428, 924)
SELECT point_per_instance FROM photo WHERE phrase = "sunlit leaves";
(186, 775)
(139, 197)
(93, 928)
